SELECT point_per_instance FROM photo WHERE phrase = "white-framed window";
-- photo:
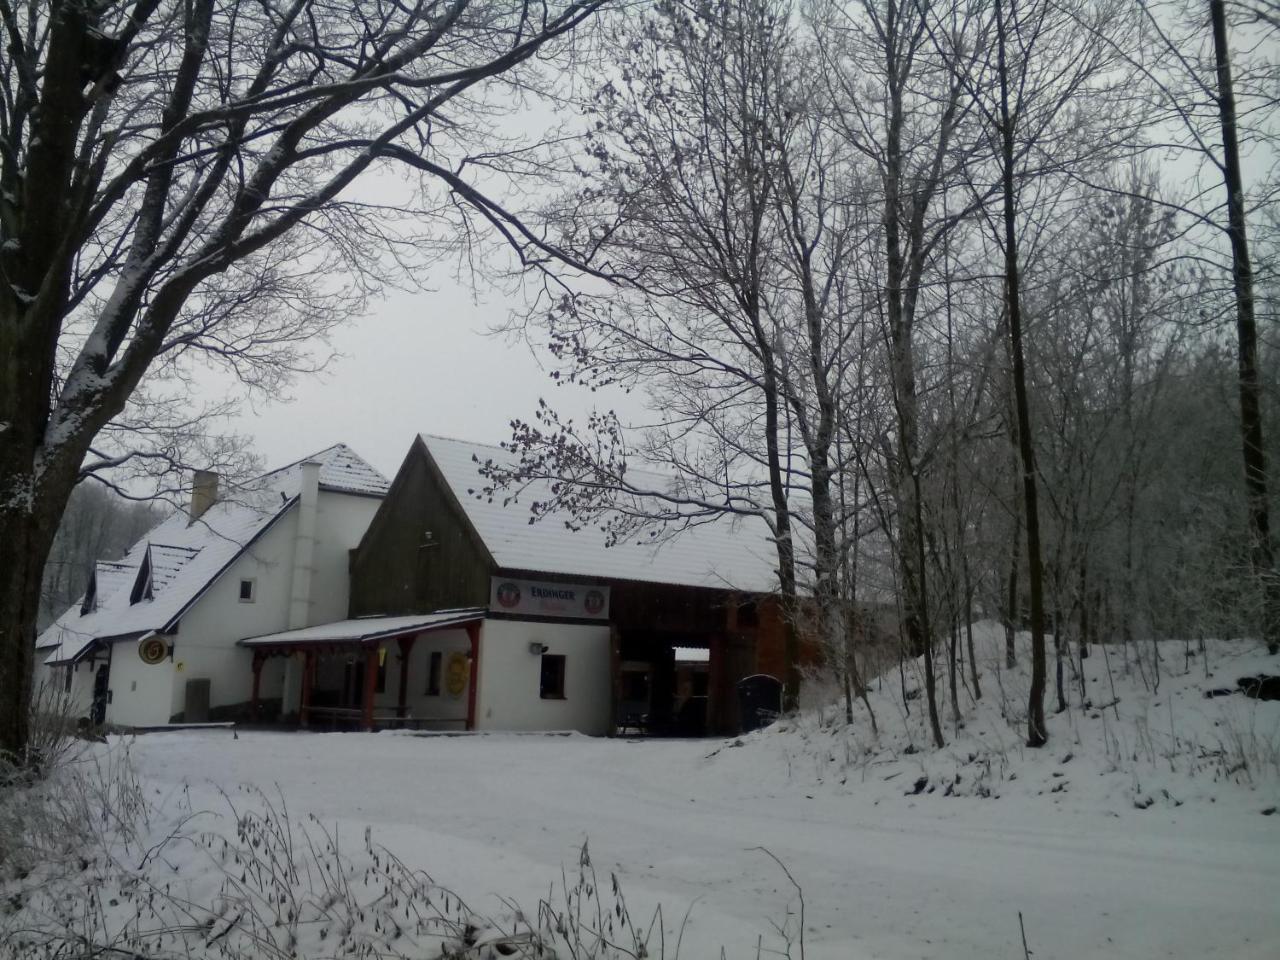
(248, 590)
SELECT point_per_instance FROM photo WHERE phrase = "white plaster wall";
(341, 520)
(205, 644)
(448, 709)
(209, 632)
(508, 697)
(140, 692)
(206, 640)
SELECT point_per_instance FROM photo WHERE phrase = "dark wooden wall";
(397, 570)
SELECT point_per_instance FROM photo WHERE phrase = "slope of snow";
(1133, 746)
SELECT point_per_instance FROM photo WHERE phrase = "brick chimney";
(204, 492)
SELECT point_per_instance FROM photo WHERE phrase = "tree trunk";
(968, 627)
(1255, 461)
(1084, 608)
(1059, 653)
(951, 678)
(26, 536)
(920, 622)
(785, 546)
(1011, 595)
(1037, 732)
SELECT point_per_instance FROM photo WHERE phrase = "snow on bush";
(102, 871)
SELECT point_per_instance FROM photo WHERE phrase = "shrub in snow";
(100, 872)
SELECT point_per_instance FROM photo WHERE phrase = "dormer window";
(142, 585)
(90, 601)
(248, 590)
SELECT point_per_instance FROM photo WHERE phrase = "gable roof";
(181, 559)
(341, 470)
(728, 553)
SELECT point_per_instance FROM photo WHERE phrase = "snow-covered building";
(155, 639)
(465, 614)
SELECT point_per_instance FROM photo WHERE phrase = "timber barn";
(464, 614)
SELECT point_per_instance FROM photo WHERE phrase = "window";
(66, 681)
(247, 590)
(433, 673)
(551, 685)
(380, 685)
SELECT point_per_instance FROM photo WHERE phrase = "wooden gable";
(420, 552)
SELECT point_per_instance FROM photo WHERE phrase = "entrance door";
(353, 683)
(101, 693)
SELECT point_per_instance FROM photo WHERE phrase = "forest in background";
(966, 287)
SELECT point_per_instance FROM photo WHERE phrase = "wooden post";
(473, 634)
(370, 688)
(257, 684)
(308, 670)
(615, 672)
(406, 645)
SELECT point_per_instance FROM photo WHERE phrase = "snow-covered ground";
(1139, 845)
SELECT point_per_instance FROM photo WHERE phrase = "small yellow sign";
(457, 673)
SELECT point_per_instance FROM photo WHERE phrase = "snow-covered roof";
(731, 552)
(341, 470)
(368, 628)
(183, 558)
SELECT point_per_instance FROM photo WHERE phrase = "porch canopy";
(367, 634)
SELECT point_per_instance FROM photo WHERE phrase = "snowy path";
(904, 877)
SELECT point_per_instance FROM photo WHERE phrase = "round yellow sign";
(456, 674)
(152, 650)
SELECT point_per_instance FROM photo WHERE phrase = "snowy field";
(883, 875)
(1130, 836)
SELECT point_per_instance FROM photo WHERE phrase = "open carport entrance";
(664, 684)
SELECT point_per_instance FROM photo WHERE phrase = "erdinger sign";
(541, 598)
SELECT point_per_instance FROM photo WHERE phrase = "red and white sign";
(541, 598)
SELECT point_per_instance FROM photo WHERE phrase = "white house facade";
(155, 638)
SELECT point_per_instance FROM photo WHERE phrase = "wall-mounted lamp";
(538, 649)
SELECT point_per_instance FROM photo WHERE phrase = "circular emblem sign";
(509, 595)
(152, 650)
(593, 602)
(456, 674)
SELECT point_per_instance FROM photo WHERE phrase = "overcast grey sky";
(417, 363)
(425, 362)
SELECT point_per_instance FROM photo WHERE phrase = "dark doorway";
(353, 683)
(661, 691)
(101, 695)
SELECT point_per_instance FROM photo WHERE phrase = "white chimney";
(304, 546)
(204, 492)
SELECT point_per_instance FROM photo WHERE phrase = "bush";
(98, 874)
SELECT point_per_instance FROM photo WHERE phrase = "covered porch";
(363, 673)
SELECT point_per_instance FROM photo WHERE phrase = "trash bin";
(759, 701)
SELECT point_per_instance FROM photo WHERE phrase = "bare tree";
(175, 181)
(1255, 460)
(1217, 97)
(96, 525)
